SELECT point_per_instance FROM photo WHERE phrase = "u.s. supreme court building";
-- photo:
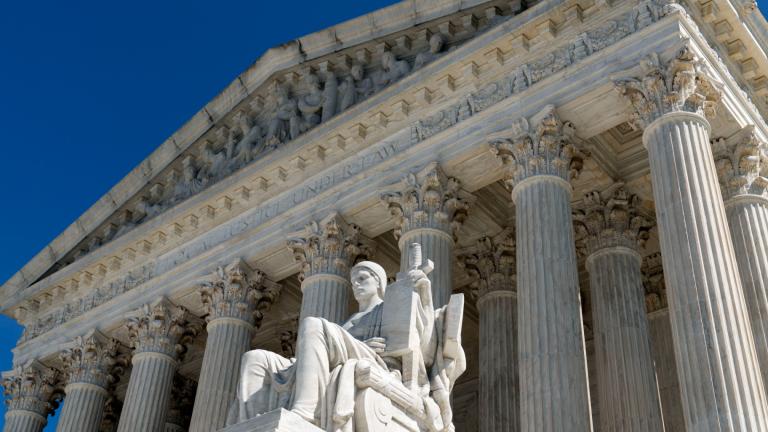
(590, 174)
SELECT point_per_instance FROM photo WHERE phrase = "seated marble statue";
(339, 368)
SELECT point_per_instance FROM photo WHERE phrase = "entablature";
(237, 216)
(240, 110)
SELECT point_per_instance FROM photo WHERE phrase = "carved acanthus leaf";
(610, 219)
(181, 402)
(288, 336)
(89, 359)
(742, 163)
(680, 84)
(330, 246)
(542, 146)
(653, 282)
(428, 199)
(238, 291)
(491, 263)
(33, 387)
(162, 327)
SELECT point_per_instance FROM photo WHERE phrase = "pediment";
(291, 89)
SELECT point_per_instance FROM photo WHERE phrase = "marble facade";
(591, 175)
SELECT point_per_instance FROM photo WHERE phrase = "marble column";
(158, 333)
(554, 395)
(234, 299)
(742, 166)
(662, 347)
(326, 251)
(491, 263)
(429, 208)
(30, 395)
(613, 227)
(714, 348)
(87, 362)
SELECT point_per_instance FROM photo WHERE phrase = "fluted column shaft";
(24, 421)
(326, 296)
(83, 408)
(436, 245)
(714, 347)
(228, 340)
(627, 390)
(498, 396)
(553, 372)
(149, 388)
(235, 300)
(29, 392)
(88, 361)
(666, 370)
(159, 332)
(748, 220)
(429, 208)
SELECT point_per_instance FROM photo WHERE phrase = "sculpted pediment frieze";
(288, 105)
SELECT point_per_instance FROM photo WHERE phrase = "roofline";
(385, 21)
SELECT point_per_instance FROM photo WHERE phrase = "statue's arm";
(425, 317)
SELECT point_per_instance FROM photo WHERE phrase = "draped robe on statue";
(326, 357)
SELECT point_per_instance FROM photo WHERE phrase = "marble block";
(279, 420)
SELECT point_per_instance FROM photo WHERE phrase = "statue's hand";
(418, 279)
(377, 344)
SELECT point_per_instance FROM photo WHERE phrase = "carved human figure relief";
(284, 124)
(189, 183)
(213, 163)
(330, 96)
(311, 104)
(252, 139)
(392, 70)
(239, 148)
(436, 44)
(355, 87)
(397, 354)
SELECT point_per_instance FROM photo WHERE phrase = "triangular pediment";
(289, 90)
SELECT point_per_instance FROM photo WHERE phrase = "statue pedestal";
(279, 420)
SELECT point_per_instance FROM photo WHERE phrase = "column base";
(279, 420)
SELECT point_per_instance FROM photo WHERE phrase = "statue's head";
(436, 43)
(368, 279)
(356, 71)
(387, 60)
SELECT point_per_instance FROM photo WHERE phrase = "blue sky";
(89, 88)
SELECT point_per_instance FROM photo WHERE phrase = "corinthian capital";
(677, 85)
(613, 218)
(33, 387)
(742, 163)
(428, 199)
(238, 291)
(542, 145)
(162, 327)
(330, 246)
(89, 359)
(491, 263)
